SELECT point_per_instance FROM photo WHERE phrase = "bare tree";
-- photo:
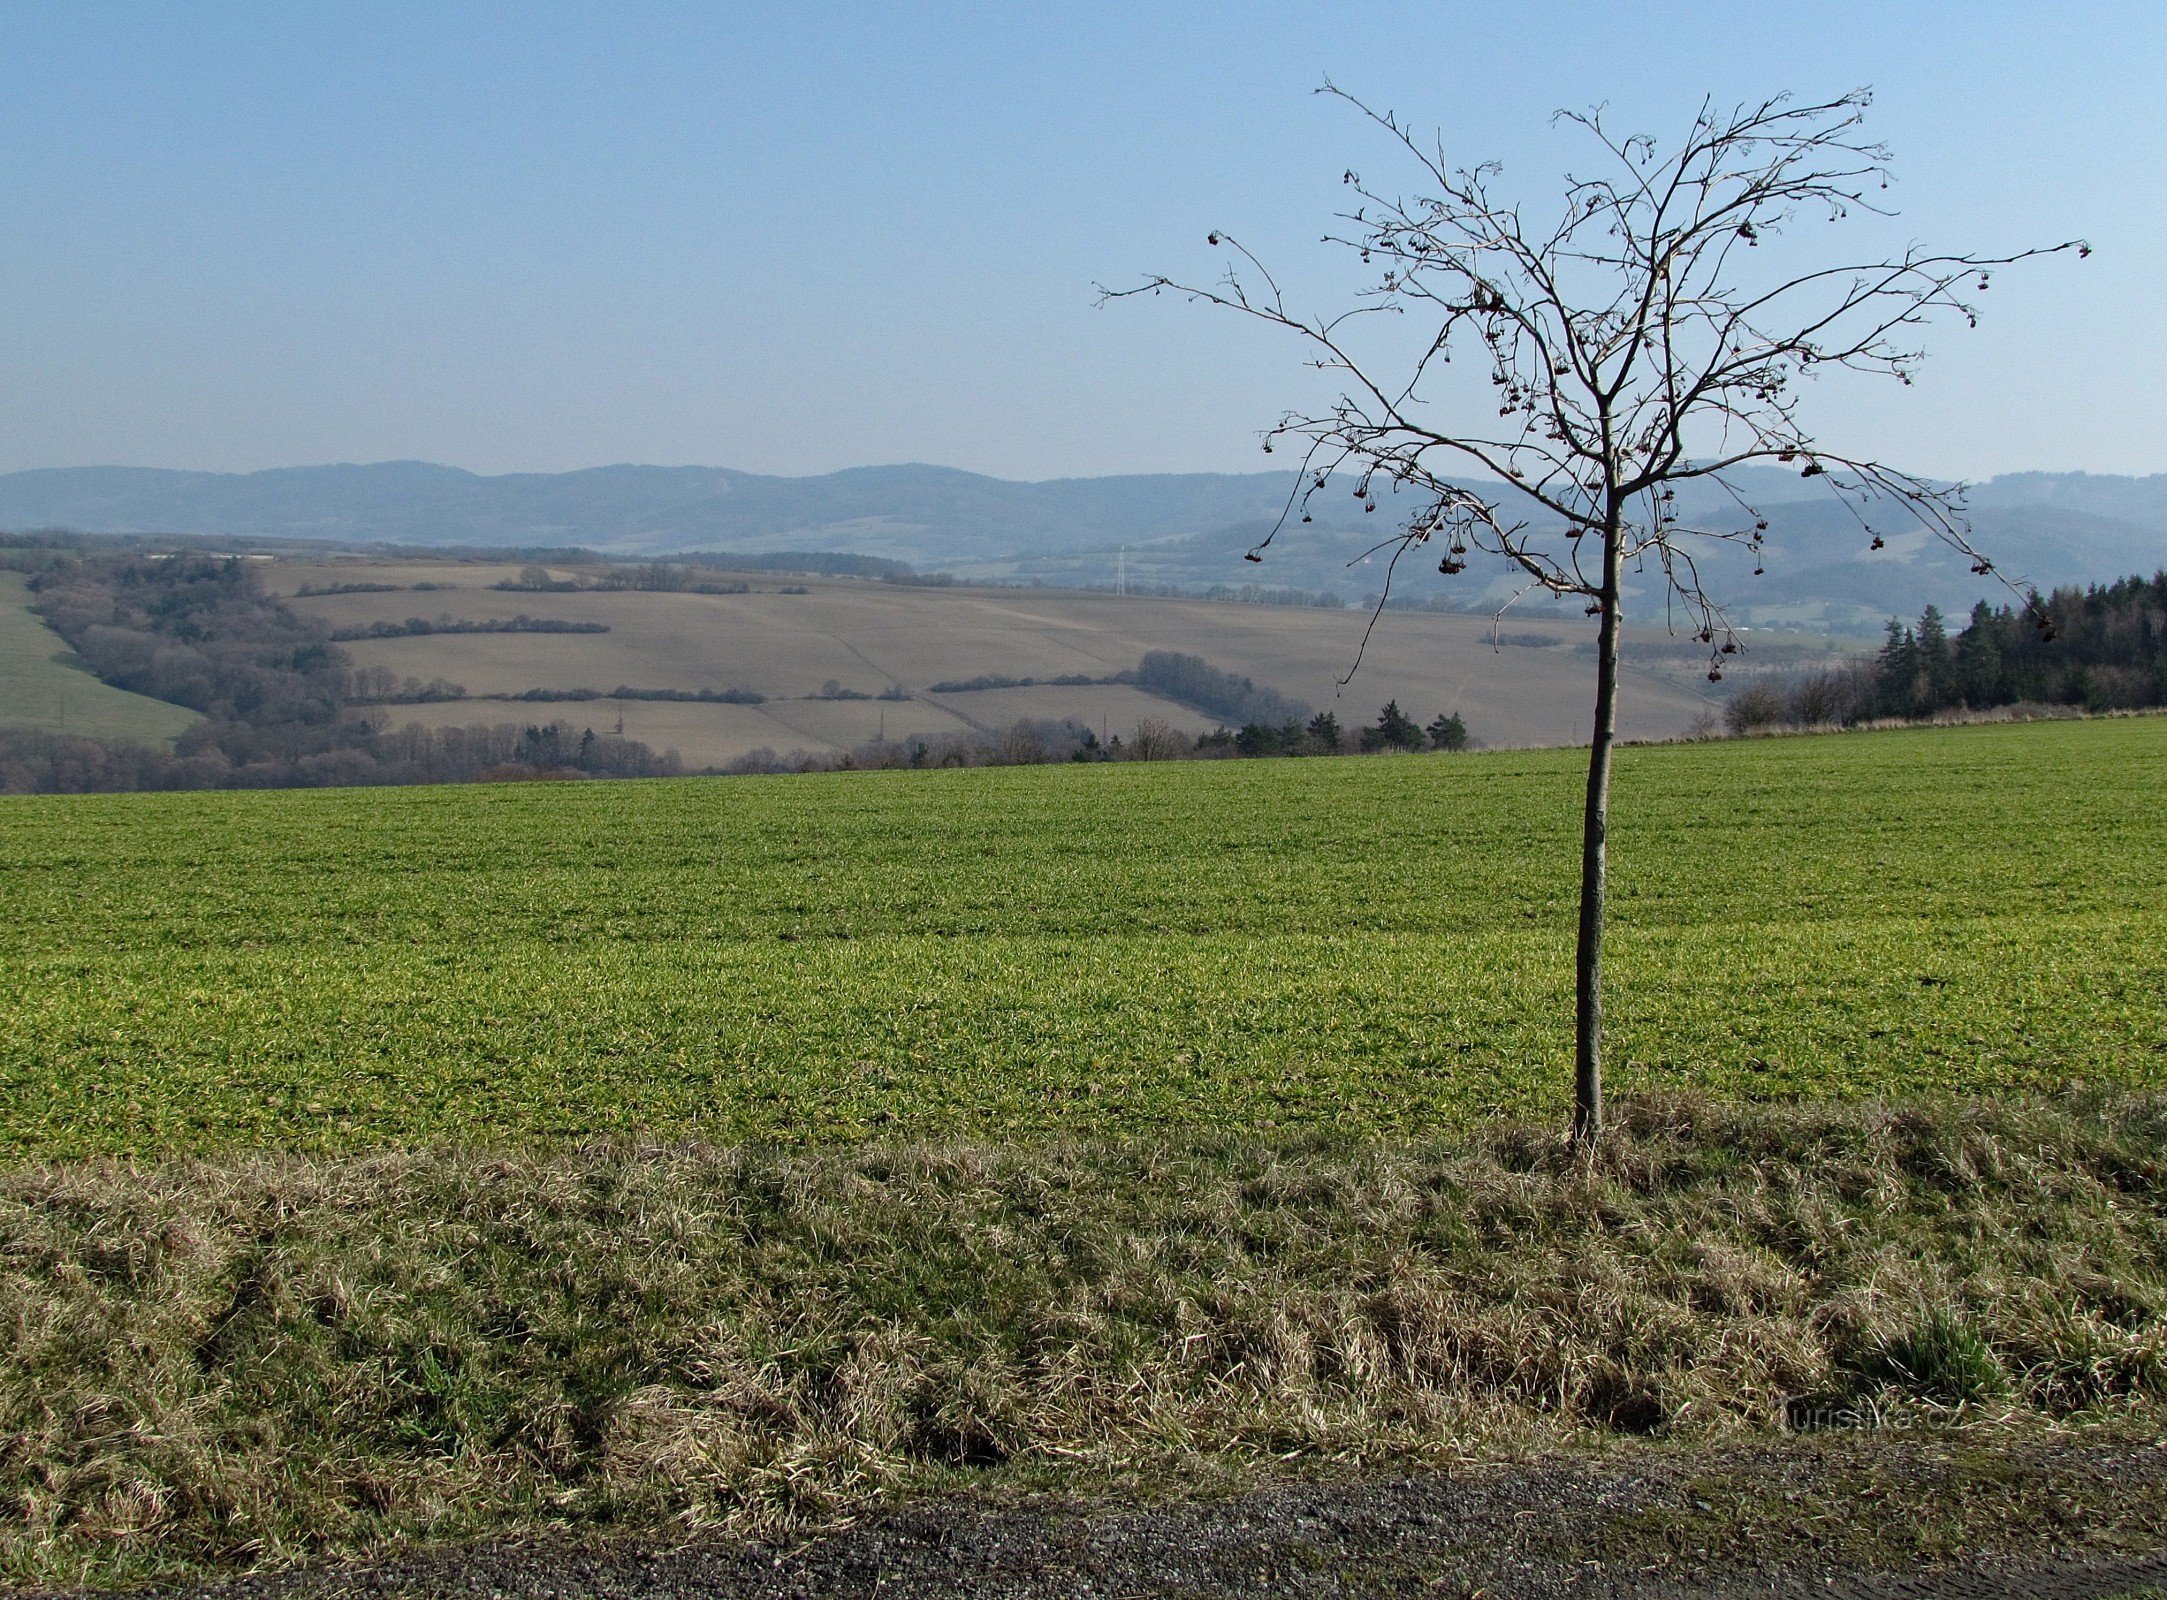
(1637, 341)
(1155, 740)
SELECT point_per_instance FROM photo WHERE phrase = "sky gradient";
(799, 238)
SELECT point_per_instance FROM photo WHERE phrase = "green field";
(1360, 944)
(38, 689)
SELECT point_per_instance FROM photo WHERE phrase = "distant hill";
(912, 513)
(1187, 529)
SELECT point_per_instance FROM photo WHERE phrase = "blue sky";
(797, 238)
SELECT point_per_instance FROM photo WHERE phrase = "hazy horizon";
(882, 466)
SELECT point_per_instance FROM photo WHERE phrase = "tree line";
(1192, 681)
(33, 761)
(417, 627)
(2102, 648)
(1036, 741)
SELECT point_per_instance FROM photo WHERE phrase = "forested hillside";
(2102, 648)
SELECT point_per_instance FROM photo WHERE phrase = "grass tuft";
(1938, 1359)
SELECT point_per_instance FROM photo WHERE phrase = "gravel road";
(1786, 1521)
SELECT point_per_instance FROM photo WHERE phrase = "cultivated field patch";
(39, 689)
(1108, 709)
(1362, 945)
(869, 637)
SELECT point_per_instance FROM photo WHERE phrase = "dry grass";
(262, 1360)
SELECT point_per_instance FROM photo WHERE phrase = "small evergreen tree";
(1896, 672)
(1448, 732)
(1395, 730)
(1977, 674)
(1937, 669)
(1324, 733)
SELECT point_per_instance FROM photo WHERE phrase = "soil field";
(39, 689)
(869, 637)
(1360, 944)
(289, 575)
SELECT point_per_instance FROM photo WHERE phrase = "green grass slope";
(1362, 945)
(38, 689)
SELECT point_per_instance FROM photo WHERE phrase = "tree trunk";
(1594, 861)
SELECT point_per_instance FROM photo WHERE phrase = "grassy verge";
(254, 1361)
